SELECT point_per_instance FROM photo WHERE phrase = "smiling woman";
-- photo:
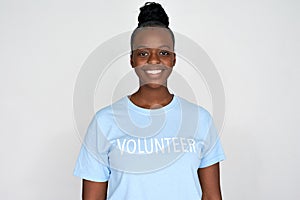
(151, 136)
(153, 59)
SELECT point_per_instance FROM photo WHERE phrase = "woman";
(151, 144)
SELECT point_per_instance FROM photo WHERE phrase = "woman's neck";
(151, 97)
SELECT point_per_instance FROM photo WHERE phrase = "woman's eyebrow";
(164, 46)
(147, 47)
(140, 47)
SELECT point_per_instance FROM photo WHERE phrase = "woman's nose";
(153, 58)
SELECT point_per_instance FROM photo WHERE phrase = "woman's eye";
(164, 53)
(143, 53)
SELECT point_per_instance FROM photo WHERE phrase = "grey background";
(254, 45)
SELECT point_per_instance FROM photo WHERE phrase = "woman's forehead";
(153, 37)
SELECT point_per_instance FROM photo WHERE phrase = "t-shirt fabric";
(147, 154)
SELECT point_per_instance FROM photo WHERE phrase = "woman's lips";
(154, 71)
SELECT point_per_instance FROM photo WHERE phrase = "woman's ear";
(131, 61)
(174, 60)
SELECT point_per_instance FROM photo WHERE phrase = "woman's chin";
(154, 85)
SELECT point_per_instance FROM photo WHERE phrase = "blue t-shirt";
(149, 153)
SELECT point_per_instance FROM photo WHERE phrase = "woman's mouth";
(155, 71)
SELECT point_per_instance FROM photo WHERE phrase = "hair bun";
(153, 12)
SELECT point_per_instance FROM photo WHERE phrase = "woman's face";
(153, 57)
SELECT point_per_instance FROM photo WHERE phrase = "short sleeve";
(92, 162)
(212, 151)
(214, 156)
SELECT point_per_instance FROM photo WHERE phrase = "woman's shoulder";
(111, 109)
(192, 107)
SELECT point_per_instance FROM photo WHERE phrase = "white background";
(254, 45)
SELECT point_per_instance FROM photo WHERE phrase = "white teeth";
(157, 71)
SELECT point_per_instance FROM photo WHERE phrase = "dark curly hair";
(152, 15)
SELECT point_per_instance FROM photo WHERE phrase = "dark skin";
(152, 49)
(209, 178)
(153, 61)
(94, 190)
